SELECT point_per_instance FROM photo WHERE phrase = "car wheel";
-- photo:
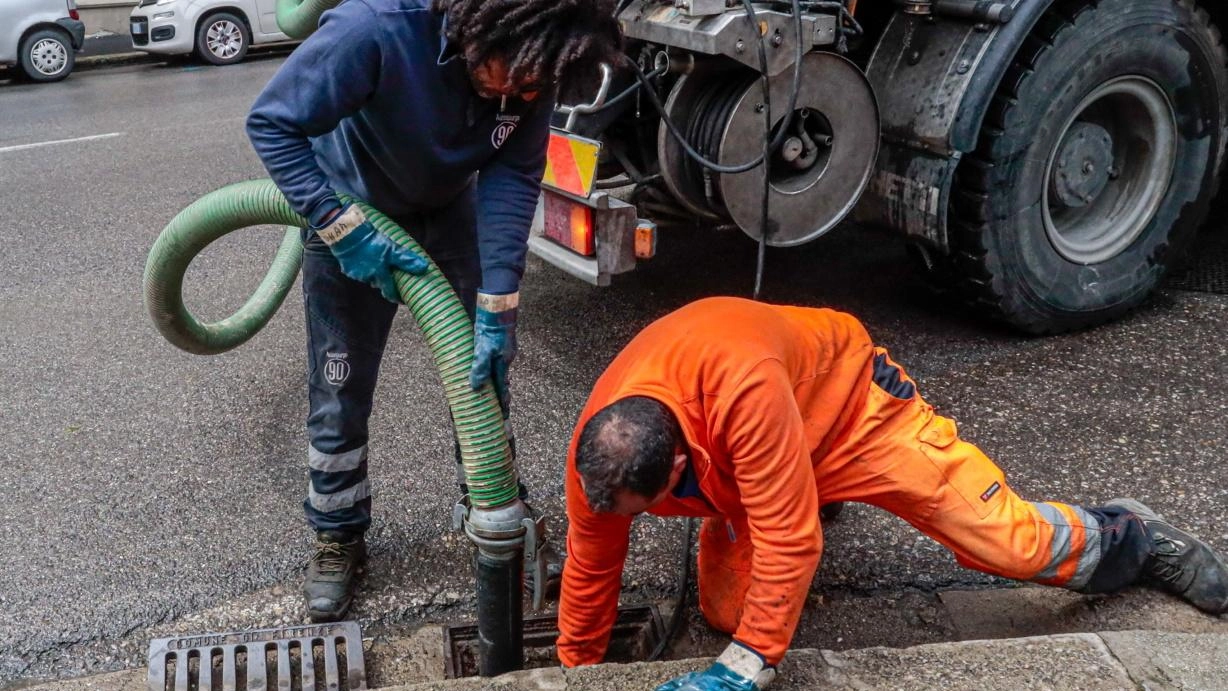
(47, 56)
(1096, 164)
(222, 39)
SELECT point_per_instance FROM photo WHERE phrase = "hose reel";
(816, 175)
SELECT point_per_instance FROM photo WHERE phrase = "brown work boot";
(1181, 563)
(332, 574)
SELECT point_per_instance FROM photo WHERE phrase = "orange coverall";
(784, 409)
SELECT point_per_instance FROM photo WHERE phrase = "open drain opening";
(325, 657)
(637, 630)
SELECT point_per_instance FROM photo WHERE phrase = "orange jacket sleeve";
(764, 433)
(592, 575)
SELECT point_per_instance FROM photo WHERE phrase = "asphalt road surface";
(143, 489)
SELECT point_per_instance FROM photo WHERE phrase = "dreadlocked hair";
(559, 42)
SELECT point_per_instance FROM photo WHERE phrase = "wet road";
(145, 489)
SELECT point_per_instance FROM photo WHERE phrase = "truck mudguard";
(935, 78)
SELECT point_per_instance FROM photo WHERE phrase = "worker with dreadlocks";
(437, 115)
(755, 428)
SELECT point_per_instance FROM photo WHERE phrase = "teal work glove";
(737, 669)
(367, 255)
(494, 343)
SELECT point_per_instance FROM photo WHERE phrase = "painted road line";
(92, 137)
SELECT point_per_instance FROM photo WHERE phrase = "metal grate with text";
(317, 657)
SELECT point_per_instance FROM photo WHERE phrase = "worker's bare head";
(521, 47)
(631, 454)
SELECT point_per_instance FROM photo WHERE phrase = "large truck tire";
(1096, 164)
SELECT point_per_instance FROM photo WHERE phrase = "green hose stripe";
(450, 349)
(449, 331)
(463, 409)
(432, 312)
(484, 447)
(489, 471)
(471, 412)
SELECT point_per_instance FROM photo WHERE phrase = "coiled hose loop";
(485, 454)
(299, 19)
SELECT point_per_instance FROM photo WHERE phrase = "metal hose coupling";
(502, 532)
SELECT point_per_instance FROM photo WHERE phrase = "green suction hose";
(485, 454)
(300, 20)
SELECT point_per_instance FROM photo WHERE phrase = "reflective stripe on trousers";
(904, 458)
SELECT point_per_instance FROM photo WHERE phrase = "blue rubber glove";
(494, 343)
(737, 669)
(367, 255)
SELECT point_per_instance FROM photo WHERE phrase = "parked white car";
(41, 37)
(218, 31)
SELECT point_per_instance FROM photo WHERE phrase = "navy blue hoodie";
(376, 105)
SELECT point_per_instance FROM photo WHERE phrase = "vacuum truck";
(1046, 161)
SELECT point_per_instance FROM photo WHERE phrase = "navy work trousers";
(347, 327)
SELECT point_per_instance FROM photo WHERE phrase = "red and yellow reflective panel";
(571, 163)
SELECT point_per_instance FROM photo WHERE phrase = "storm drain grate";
(1207, 271)
(637, 630)
(319, 657)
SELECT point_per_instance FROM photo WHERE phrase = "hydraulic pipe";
(500, 612)
(976, 10)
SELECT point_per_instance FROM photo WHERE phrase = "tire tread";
(975, 277)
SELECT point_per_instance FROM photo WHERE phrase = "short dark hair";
(556, 41)
(628, 445)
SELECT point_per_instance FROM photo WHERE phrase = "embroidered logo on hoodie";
(506, 124)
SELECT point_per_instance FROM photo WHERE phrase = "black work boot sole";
(1181, 563)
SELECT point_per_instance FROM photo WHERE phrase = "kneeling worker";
(752, 416)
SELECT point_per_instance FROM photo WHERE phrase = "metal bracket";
(727, 33)
(535, 559)
(460, 513)
(607, 76)
(533, 533)
(494, 531)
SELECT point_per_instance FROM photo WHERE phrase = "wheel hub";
(225, 39)
(807, 146)
(1084, 165)
(1109, 170)
(48, 57)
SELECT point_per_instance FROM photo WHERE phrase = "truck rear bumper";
(614, 224)
(586, 269)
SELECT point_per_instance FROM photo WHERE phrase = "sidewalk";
(106, 49)
(111, 49)
(1111, 661)
(1119, 661)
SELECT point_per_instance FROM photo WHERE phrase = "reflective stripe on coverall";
(783, 408)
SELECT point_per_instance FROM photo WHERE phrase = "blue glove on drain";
(494, 343)
(367, 255)
(737, 669)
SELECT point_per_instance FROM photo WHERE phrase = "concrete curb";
(1118, 661)
(1111, 661)
(88, 62)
